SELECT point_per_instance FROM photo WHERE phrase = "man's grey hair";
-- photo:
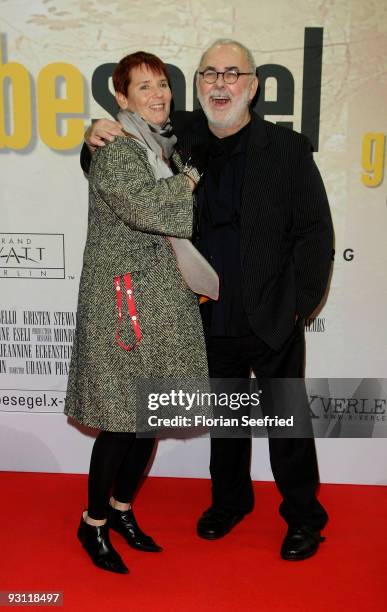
(229, 41)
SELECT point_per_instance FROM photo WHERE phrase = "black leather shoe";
(300, 543)
(214, 524)
(97, 543)
(126, 524)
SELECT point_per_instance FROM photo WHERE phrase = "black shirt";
(219, 205)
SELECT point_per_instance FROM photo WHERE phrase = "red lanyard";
(131, 310)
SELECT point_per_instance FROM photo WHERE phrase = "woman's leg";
(132, 469)
(109, 451)
(93, 532)
(121, 517)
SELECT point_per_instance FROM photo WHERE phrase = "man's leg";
(294, 465)
(293, 460)
(232, 490)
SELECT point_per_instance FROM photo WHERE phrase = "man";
(266, 228)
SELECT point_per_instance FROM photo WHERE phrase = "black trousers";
(118, 461)
(293, 460)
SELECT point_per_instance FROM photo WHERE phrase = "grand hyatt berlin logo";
(32, 256)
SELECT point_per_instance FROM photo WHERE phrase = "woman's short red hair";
(123, 70)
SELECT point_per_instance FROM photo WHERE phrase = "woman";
(137, 318)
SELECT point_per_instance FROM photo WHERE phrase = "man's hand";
(100, 131)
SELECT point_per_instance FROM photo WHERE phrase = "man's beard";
(233, 115)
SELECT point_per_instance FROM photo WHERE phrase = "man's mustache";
(220, 93)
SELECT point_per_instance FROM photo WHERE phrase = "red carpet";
(243, 571)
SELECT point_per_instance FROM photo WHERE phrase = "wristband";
(192, 172)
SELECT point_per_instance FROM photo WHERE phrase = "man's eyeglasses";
(229, 76)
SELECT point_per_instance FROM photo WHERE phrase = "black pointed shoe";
(300, 543)
(124, 522)
(97, 543)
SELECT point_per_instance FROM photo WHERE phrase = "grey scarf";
(160, 139)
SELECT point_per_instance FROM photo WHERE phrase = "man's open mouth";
(219, 101)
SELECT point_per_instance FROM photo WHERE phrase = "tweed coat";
(130, 213)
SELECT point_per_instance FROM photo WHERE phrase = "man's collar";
(232, 144)
(257, 133)
(196, 123)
